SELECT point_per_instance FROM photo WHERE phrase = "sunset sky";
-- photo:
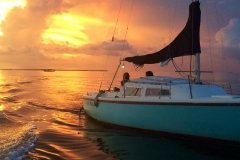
(77, 34)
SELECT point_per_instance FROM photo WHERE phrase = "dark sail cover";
(186, 43)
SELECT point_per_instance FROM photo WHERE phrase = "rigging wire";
(137, 67)
(209, 40)
(178, 69)
(172, 20)
(106, 62)
(125, 35)
(113, 38)
(128, 23)
(182, 61)
(116, 24)
(190, 67)
(221, 40)
(226, 72)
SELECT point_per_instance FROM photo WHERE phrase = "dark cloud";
(113, 48)
(116, 47)
(229, 35)
(228, 39)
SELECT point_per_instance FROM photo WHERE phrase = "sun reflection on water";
(1, 107)
(51, 101)
(2, 78)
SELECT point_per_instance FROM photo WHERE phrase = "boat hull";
(202, 120)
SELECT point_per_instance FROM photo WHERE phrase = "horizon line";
(50, 69)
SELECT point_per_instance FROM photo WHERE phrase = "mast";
(197, 68)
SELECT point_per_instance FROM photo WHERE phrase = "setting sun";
(67, 29)
(6, 6)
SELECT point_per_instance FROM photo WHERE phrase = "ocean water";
(40, 118)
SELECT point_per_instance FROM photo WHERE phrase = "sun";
(6, 6)
(68, 29)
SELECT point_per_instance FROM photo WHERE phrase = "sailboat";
(178, 106)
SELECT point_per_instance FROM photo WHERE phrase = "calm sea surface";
(40, 119)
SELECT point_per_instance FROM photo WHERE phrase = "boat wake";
(74, 111)
(16, 138)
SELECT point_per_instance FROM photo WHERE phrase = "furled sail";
(186, 43)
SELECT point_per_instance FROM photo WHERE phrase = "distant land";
(52, 70)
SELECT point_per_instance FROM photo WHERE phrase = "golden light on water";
(64, 85)
(6, 6)
(2, 78)
(68, 29)
(1, 107)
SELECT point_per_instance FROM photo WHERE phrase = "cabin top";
(158, 88)
(167, 88)
(159, 80)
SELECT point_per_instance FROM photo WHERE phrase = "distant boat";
(49, 70)
(179, 106)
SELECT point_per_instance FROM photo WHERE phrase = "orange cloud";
(6, 6)
(23, 26)
(71, 32)
(70, 29)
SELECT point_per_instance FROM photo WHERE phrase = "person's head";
(126, 76)
(149, 73)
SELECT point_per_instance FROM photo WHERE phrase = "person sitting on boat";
(149, 73)
(126, 78)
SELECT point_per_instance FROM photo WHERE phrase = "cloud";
(216, 1)
(23, 27)
(113, 48)
(229, 35)
(48, 29)
(228, 38)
